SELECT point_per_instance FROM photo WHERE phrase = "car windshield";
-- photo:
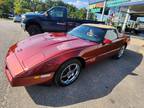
(89, 33)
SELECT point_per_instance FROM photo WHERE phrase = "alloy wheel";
(70, 73)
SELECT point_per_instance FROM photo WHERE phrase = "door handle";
(61, 23)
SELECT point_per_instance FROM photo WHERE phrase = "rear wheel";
(68, 73)
(120, 52)
(34, 29)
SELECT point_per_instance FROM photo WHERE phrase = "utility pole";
(32, 5)
(87, 15)
(125, 21)
(104, 7)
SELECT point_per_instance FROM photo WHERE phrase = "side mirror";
(107, 41)
(46, 14)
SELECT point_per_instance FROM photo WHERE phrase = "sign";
(136, 0)
(97, 5)
(133, 2)
(96, 10)
(113, 3)
(95, 1)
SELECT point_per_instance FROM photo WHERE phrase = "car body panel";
(36, 59)
(48, 23)
(45, 47)
(26, 81)
(17, 18)
(13, 65)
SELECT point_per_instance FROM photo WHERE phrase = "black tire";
(34, 29)
(120, 52)
(57, 78)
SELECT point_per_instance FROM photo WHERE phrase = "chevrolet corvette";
(59, 57)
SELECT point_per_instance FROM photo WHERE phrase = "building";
(121, 11)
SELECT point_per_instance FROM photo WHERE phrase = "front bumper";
(9, 76)
(27, 81)
(23, 26)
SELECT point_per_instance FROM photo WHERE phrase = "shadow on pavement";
(95, 81)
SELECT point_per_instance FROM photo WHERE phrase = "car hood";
(31, 15)
(36, 49)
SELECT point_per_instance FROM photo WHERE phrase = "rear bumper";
(27, 81)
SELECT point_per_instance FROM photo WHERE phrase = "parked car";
(53, 20)
(17, 18)
(6, 15)
(59, 57)
(11, 16)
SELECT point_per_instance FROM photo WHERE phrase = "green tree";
(2, 2)
(22, 6)
(81, 14)
(6, 7)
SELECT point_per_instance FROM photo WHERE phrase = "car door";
(103, 50)
(98, 49)
(112, 47)
(55, 20)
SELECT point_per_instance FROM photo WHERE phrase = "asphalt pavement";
(106, 84)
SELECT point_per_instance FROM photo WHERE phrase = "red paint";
(36, 59)
(107, 41)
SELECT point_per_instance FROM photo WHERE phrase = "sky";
(77, 3)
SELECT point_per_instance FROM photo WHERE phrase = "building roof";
(100, 26)
(134, 3)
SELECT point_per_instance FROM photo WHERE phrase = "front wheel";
(68, 73)
(34, 29)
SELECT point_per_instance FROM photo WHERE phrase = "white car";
(17, 18)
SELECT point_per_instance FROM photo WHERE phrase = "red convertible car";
(59, 57)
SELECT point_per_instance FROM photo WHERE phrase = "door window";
(111, 35)
(57, 13)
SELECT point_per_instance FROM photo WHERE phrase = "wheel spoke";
(70, 73)
(64, 76)
(69, 67)
(76, 67)
(121, 52)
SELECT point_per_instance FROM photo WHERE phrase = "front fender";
(57, 61)
(53, 64)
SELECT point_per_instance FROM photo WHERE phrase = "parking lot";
(107, 84)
